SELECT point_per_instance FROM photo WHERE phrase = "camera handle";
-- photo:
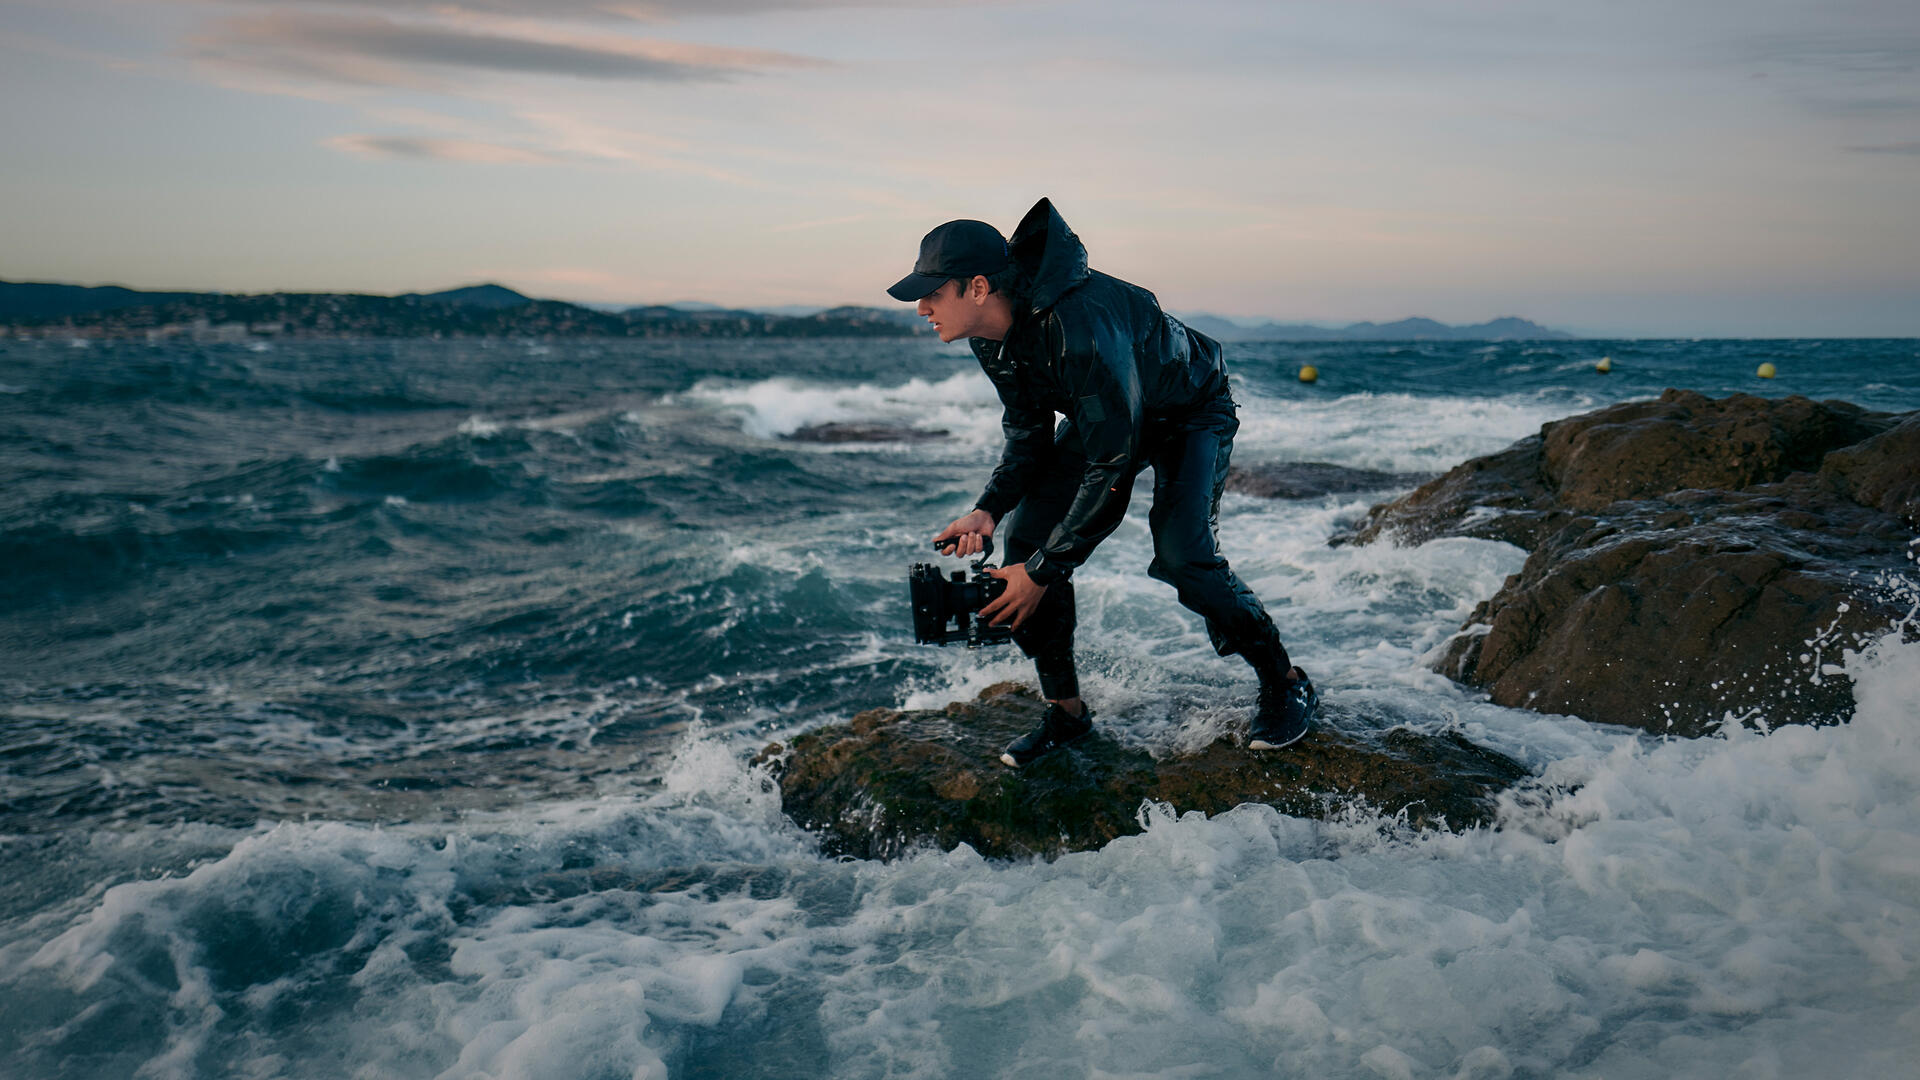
(980, 560)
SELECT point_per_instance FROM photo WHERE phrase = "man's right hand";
(967, 533)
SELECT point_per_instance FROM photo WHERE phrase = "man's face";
(952, 312)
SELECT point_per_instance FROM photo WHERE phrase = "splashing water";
(429, 758)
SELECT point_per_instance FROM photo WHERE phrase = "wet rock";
(1692, 559)
(1633, 450)
(1642, 449)
(889, 781)
(1312, 479)
(1882, 472)
(864, 431)
(1501, 496)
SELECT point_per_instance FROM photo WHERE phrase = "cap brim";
(914, 286)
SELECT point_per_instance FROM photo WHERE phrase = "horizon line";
(1254, 320)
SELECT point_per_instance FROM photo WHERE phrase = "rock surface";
(1692, 558)
(1311, 479)
(889, 781)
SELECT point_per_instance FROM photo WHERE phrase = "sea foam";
(963, 404)
(1386, 431)
(1744, 903)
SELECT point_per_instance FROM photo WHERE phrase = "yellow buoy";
(1605, 365)
(1309, 373)
(1766, 371)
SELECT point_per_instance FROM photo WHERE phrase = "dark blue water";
(330, 577)
(398, 584)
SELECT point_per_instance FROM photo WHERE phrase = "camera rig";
(945, 610)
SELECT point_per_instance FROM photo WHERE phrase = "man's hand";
(967, 534)
(1018, 601)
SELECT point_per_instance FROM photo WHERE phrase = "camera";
(945, 609)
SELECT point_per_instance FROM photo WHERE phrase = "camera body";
(946, 609)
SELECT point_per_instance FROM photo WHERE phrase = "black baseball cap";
(957, 249)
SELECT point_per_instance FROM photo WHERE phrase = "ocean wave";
(1657, 907)
(963, 403)
(448, 650)
(357, 397)
(428, 476)
(1391, 432)
(43, 560)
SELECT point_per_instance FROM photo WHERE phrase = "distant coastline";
(37, 309)
(1505, 328)
(41, 310)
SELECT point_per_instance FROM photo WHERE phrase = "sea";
(387, 708)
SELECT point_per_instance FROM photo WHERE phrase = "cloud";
(553, 140)
(1908, 148)
(1879, 54)
(383, 52)
(426, 148)
(1854, 74)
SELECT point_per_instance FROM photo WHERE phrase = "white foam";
(530, 988)
(1710, 907)
(1389, 432)
(1692, 908)
(963, 404)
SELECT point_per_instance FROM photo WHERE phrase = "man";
(1137, 389)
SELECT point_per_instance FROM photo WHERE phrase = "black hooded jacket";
(1099, 351)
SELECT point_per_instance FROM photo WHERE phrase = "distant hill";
(42, 300)
(471, 311)
(494, 310)
(482, 296)
(1506, 328)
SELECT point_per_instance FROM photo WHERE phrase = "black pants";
(1189, 459)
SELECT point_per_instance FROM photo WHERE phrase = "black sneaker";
(1284, 713)
(1058, 728)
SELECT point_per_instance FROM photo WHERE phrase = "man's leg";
(1189, 476)
(1047, 635)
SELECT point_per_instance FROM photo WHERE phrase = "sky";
(1701, 168)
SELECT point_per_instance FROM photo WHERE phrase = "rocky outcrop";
(1691, 558)
(889, 781)
(1312, 479)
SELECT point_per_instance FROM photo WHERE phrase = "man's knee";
(1050, 628)
(1180, 564)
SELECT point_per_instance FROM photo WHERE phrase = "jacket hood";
(1052, 261)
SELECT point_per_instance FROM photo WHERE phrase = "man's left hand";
(1019, 600)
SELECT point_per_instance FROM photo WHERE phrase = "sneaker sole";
(1263, 744)
(1007, 759)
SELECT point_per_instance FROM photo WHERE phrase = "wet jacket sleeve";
(1096, 367)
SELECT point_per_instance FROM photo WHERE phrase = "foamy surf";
(1654, 908)
(456, 787)
(962, 403)
(1388, 432)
